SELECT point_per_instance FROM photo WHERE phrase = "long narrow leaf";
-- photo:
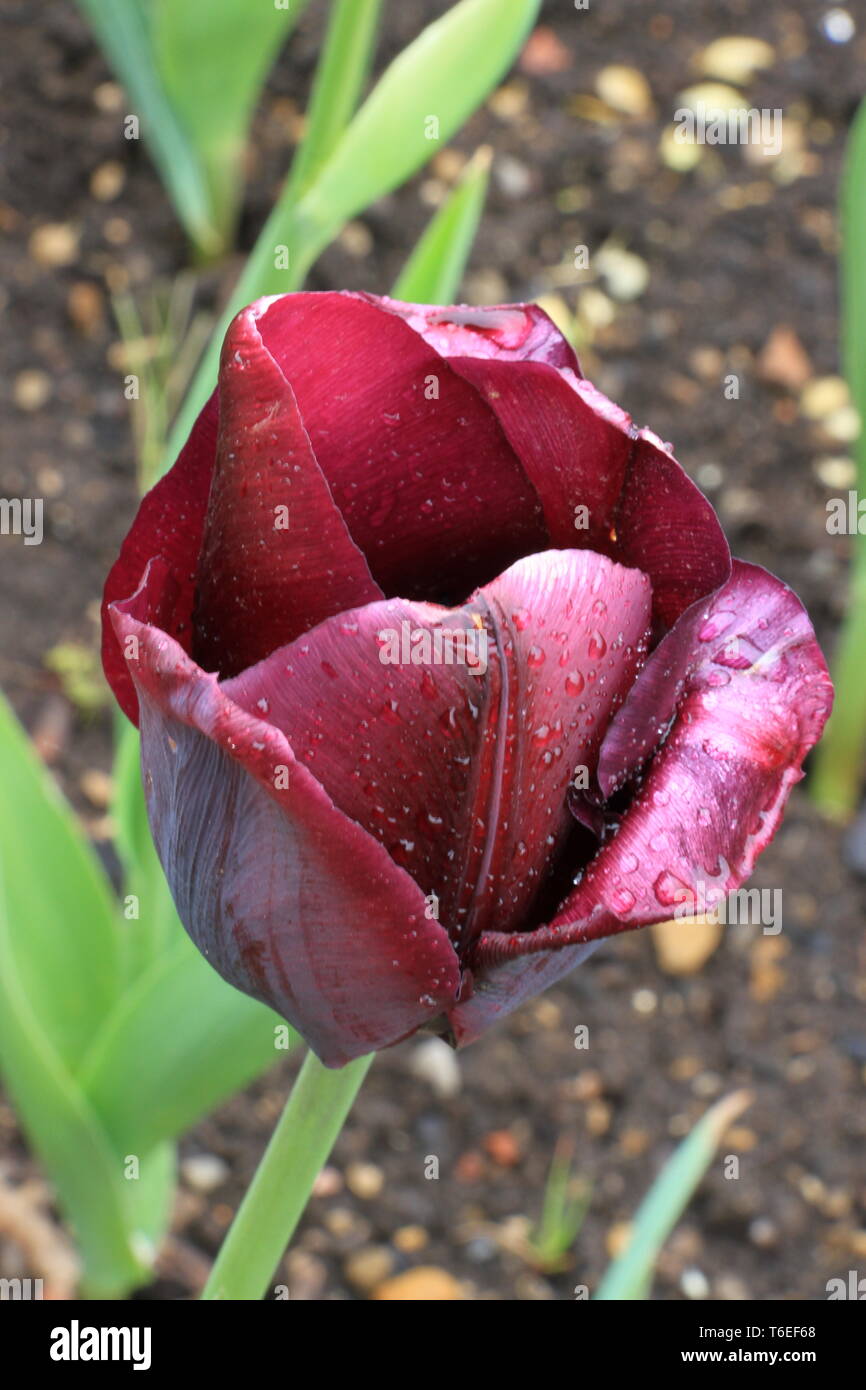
(212, 57)
(629, 1276)
(416, 106)
(65, 1133)
(123, 30)
(853, 285)
(839, 760)
(62, 928)
(340, 76)
(180, 1042)
(433, 272)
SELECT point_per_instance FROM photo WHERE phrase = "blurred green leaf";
(180, 1042)
(63, 937)
(340, 75)
(123, 28)
(853, 267)
(212, 57)
(392, 136)
(838, 776)
(62, 1127)
(629, 1276)
(433, 273)
(566, 1200)
(417, 105)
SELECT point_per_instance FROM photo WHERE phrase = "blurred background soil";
(706, 263)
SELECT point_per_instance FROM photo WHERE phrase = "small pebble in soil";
(694, 1283)
(328, 1183)
(481, 1249)
(730, 1289)
(204, 1172)
(410, 1239)
(31, 389)
(503, 1148)
(368, 1267)
(365, 1180)
(763, 1232)
(436, 1063)
(54, 244)
(426, 1284)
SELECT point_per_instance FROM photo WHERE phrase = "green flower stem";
(266, 1219)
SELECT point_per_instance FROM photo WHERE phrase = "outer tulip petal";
(754, 695)
(290, 900)
(276, 557)
(502, 333)
(580, 451)
(418, 466)
(498, 992)
(169, 523)
(463, 773)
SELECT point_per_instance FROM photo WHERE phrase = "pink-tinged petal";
(580, 451)
(504, 332)
(429, 487)
(754, 695)
(461, 768)
(289, 900)
(276, 557)
(169, 523)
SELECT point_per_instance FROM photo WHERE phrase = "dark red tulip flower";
(443, 670)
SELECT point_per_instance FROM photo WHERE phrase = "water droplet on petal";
(718, 623)
(671, 891)
(621, 900)
(574, 683)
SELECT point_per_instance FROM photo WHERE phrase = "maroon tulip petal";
(754, 697)
(290, 900)
(463, 772)
(277, 557)
(169, 523)
(604, 484)
(501, 990)
(504, 332)
(418, 466)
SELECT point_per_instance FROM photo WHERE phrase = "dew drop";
(622, 900)
(574, 683)
(670, 890)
